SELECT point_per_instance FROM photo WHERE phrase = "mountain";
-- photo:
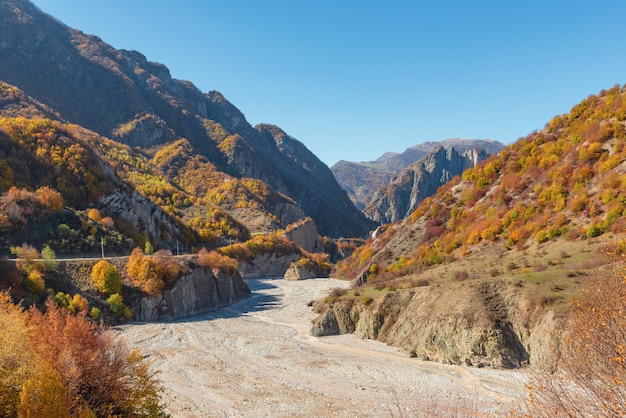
(564, 181)
(484, 271)
(120, 95)
(418, 181)
(416, 152)
(362, 180)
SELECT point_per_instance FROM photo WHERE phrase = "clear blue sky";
(352, 79)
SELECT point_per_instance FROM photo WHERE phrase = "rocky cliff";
(479, 324)
(147, 218)
(202, 290)
(362, 180)
(418, 181)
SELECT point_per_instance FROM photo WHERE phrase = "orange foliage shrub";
(98, 373)
(151, 274)
(50, 198)
(215, 260)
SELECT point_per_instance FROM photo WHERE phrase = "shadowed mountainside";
(123, 96)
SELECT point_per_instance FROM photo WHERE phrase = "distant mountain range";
(198, 145)
(363, 180)
(418, 181)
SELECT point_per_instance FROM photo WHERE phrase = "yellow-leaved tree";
(589, 374)
(106, 277)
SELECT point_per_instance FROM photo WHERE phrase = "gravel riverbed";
(256, 359)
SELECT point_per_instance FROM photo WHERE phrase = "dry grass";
(549, 274)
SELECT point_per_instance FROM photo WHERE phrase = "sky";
(352, 79)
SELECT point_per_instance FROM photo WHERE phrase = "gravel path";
(256, 359)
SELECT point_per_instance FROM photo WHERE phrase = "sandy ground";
(256, 359)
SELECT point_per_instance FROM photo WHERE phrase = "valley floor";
(256, 359)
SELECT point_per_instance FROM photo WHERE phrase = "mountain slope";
(121, 95)
(522, 230)
(566, 180)
(363, 180)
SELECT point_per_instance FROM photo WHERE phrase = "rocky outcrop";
(419, 181)
(304, 233)
(147, 217)
(480, 324)
(268, 264)
(203, 290)
(287, 213)
(306, 268)
(298, 272)
(144, 131)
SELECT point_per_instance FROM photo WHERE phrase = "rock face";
(147, 217)
(304, 233)
(362, 180)
(201, 291)
(268, 265)
(490, 325)
(419, 181)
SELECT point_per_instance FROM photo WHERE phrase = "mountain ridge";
(362, 180)
(121, 95)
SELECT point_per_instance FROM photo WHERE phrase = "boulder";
(298, 272)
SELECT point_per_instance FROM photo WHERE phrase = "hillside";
(120, 95)
(362, 180)
(536, 214)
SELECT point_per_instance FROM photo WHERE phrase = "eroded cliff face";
(203, 290)
(479, 324)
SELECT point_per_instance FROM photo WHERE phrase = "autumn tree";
(215, 260)
(43, 395)
(28, 262)
(99, 375)
(27, 258)
(50, 198)
(152, 273)
(589, 374)
(17, 361)
(106, 277)
(49, 258)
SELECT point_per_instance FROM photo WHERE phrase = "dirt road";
(256, 359)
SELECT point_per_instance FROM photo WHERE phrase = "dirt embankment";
(489, 323)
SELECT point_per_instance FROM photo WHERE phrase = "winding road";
(255, 359)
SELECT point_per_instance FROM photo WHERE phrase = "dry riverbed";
(256, 359)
